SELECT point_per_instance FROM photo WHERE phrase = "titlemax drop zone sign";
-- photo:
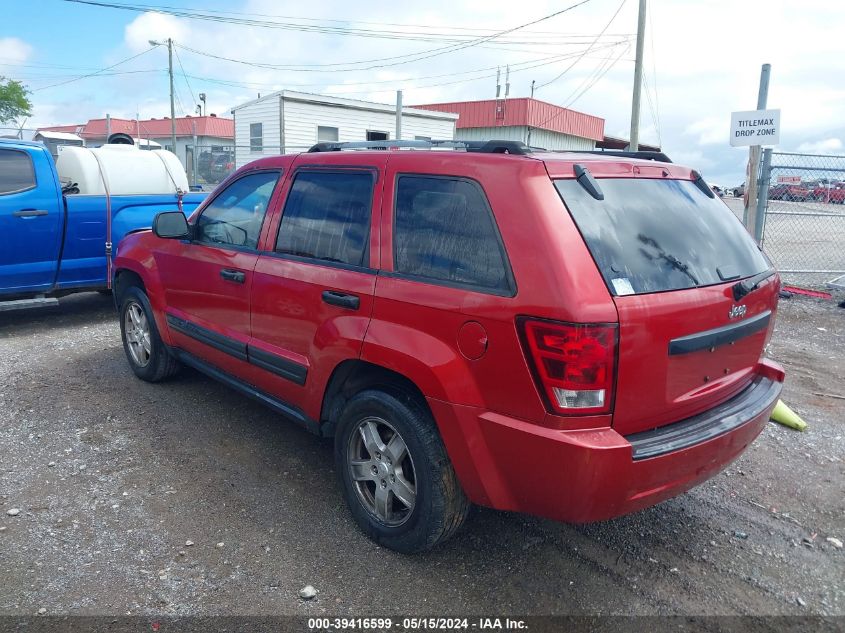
(755, 127)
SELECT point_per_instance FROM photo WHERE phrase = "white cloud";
(826, 146)
(14, 51)
(154, 26)
(710, 130)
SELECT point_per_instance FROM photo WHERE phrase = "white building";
(288, 122)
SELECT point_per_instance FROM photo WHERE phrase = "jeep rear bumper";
(596, 474)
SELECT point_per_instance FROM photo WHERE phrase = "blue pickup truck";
(53, 244)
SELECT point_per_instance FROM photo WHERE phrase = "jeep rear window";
(657, 235)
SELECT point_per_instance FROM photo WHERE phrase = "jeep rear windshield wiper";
(673, 261)
(742, 288)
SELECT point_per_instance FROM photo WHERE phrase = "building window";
(373, 135)
(256, 137)
(327, 134)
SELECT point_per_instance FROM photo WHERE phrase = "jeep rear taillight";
(573, 364)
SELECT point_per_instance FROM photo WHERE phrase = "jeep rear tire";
(396, 476)
(147, 354)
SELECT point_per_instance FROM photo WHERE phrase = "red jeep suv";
(575, 336)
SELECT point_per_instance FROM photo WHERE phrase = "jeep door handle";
(29, 213)
(233, 275)
(353, 302)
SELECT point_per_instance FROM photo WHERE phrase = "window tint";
(444, 230)
(256, 137)
(654, 235)
(326, 134)
(327, 216)
(16, 172)
(234, 217)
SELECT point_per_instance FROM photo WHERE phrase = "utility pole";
(172, 106)
(749, 217)
(169, 42)
(398, 115)
(638, 81)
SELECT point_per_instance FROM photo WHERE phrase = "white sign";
(789, 180)
(755, 127)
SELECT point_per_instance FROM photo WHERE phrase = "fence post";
(748, 215)
(763, 194)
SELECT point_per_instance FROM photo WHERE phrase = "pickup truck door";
(31, 221)
(313, 286)
(207, 280)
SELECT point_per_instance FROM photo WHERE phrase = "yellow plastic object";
(782, 414)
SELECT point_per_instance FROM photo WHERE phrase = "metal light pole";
(638, 81)
(169, 42)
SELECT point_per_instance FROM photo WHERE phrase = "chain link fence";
(804, 224)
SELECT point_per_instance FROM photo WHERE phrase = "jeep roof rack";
(483, 147)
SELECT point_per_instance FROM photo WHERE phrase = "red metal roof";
(152, 128)
(522, 111)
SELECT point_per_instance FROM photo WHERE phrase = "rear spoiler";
(659, 157)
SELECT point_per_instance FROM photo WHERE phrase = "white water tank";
(127, 170)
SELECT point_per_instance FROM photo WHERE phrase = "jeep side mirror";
(171, 225)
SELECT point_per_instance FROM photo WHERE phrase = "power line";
(231, 17)
(590, 85)
(418, 56)
(185, 77)
(599, 74)
(128, 59)
(160, 8)
(568, 68)
(393, 82)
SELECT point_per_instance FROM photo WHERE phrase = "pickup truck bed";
(51, 243)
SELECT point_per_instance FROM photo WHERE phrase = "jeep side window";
(327, 217)
(235, 215)
(444, 230)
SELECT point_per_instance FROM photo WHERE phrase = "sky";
(702, 61)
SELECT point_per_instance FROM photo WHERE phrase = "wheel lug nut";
(375, 470)
(393, 479)
(383, 483)
(378, 455)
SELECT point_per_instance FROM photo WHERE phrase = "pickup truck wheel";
(146, 352)
(396, 476)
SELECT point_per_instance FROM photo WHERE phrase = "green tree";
(14, 100)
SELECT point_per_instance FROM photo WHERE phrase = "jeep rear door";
(313, 285)
(670, 256)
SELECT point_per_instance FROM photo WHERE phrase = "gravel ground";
(186, 499)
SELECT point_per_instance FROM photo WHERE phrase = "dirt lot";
(114, 477)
